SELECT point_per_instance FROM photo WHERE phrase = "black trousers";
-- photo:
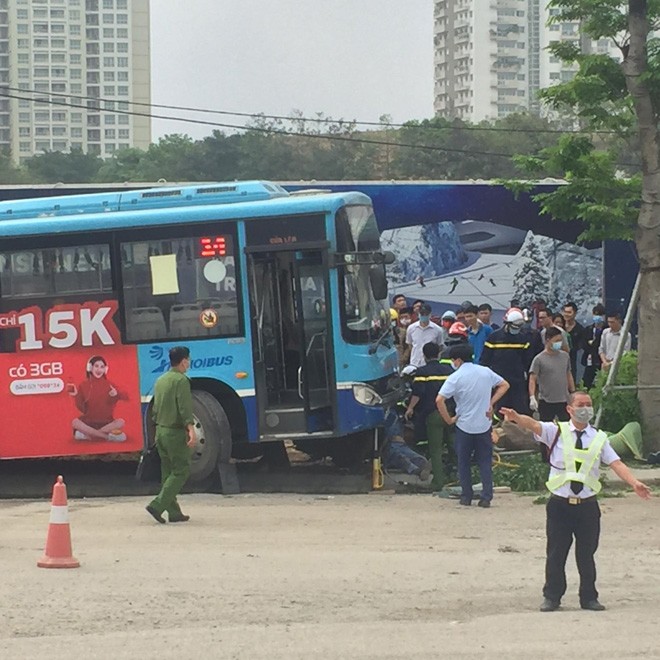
(516, 397)
(563, 522)
(548, 411)
(589, 376)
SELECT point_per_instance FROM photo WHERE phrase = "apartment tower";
(491, 56)
(68, 72)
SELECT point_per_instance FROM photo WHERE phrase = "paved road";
(300, 576)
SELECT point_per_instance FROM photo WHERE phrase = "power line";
(202, 122)
(318, 120)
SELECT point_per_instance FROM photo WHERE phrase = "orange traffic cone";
(58, 542)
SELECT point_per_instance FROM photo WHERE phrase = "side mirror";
(378, 282)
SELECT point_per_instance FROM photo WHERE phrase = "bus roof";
(144, 198)
(163, 206)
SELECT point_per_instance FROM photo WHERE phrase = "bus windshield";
(363, 317)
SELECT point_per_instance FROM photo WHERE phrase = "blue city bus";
(281, 298)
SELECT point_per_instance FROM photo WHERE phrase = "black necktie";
(576, 486)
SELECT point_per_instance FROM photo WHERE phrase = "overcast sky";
(351, 59)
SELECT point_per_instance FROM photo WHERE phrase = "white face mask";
(584, 414)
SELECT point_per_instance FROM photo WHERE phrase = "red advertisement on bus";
(69, 388)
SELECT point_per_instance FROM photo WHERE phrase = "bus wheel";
(213, 434)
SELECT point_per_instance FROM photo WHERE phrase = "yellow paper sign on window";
(164, 277)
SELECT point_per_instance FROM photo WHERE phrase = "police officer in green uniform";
(175, 435)
(576, 450)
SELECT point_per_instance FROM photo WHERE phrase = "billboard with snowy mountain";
(476, 241)
(447, 263)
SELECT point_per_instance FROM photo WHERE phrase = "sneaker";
(116, 436)
(464, 501)
(79, 435)
(484, 504)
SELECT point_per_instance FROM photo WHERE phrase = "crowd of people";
(466, 370)
(535, 351)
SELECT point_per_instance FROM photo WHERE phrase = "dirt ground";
(300, 576)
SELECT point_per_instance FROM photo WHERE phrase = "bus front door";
(292, 343)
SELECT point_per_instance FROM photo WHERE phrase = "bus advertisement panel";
(69, 369)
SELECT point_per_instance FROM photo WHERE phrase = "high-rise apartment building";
(491, 56)
(75, 65)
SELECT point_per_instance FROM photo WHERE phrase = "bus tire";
(213, 433)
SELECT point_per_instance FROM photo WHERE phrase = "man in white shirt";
(422, 332)
(609, 340)
(575, 451)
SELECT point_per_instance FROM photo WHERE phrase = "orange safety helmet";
(458, 328)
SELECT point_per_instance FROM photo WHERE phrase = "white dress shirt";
(547, 437)
(417, 335)
(609, 341)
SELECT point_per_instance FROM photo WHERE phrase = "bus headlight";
(366, 395)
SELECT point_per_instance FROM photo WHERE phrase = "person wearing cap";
(457, 334)
(421, 407)
(419, 333)
(478, 332)
(475, 389)
(575, 452)
(509, 352)
(447, 319)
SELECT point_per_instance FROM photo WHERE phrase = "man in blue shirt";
(475, 389)
(477, 331)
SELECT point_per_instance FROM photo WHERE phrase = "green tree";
(453, 149)
(173, 158)
(622, 96)
(8, 172)
(58, 166)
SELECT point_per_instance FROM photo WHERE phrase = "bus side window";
(46, 277)
(145, 323)
(195, 292)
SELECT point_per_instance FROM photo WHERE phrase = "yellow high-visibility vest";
(588, 456)
(523, 346)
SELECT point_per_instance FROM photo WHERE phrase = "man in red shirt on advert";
(96, 398)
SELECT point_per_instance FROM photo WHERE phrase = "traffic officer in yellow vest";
(576, 450)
